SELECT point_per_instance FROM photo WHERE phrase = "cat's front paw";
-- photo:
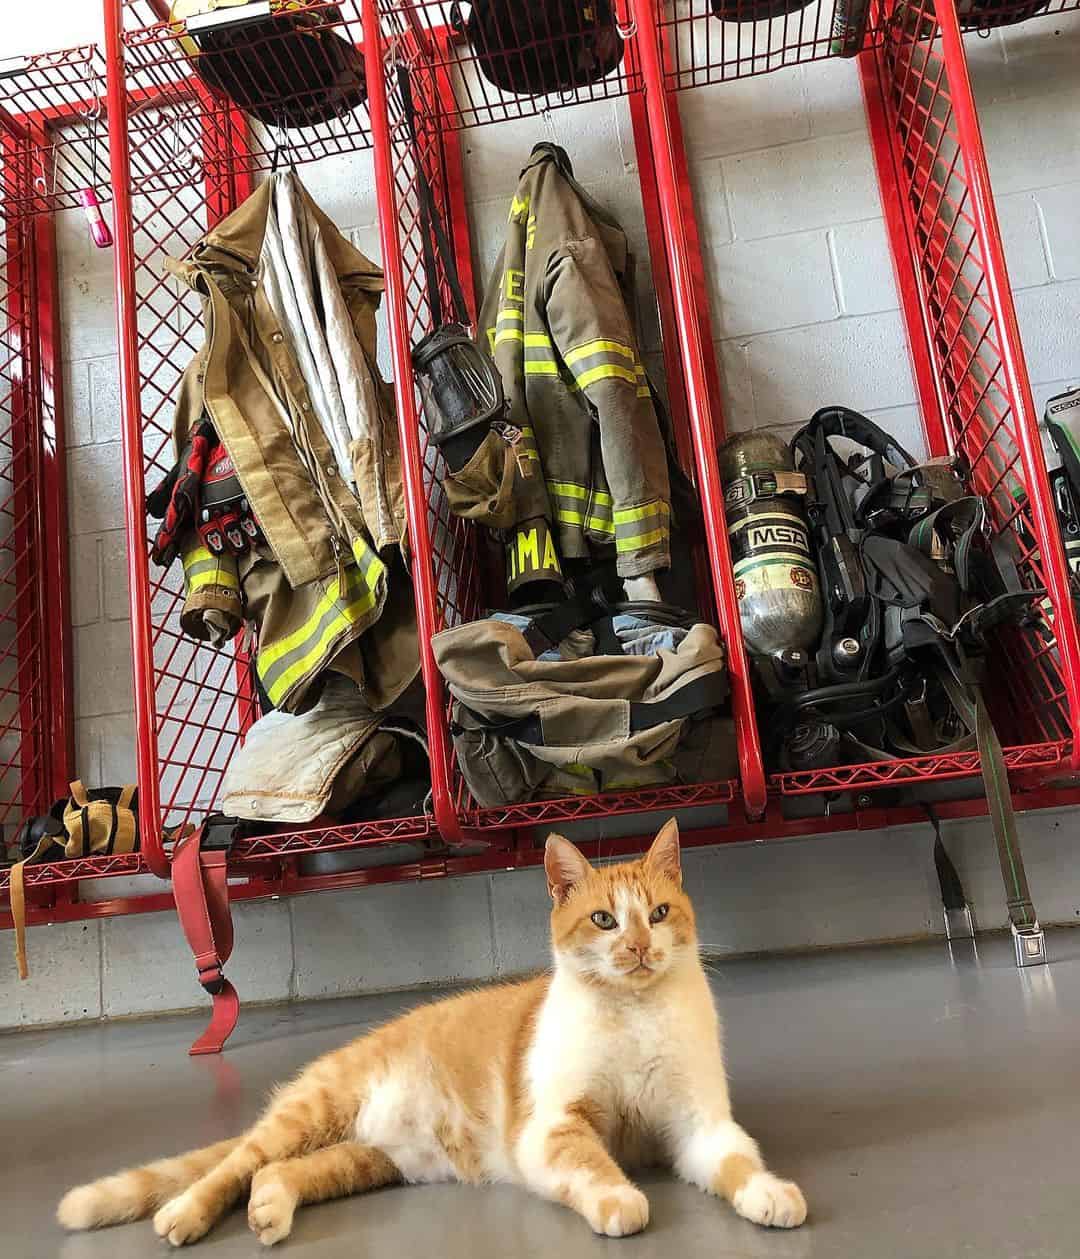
(767, 1200)
(270, 1211)
(183, 1220)
(619, 1211)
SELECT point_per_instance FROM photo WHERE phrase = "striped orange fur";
(557, 1083)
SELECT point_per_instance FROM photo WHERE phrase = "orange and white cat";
(613, 1060)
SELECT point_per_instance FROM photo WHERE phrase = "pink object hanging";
(100, 231)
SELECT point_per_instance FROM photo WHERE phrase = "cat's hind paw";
(767, 1200)
(184, 1219)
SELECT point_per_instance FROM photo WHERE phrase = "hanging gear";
(105, 820)
(986, 15)
(459, 385)
(754, 10)
(775, 576)
(542, 47)
(288, 68)
(913, 586)
(582, 471)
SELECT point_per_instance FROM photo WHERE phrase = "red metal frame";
(42, 99)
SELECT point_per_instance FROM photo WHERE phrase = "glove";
(225, 521)
(174, 501)
(202, 491)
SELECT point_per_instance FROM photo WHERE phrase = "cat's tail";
(139, 1191)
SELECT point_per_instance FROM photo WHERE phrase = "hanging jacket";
(287, 376)
(590, 464)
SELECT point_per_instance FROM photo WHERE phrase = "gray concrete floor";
(928, 1107)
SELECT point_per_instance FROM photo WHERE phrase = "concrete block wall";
(805, 312)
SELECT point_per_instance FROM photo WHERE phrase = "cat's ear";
(663, 856)
(565, 867)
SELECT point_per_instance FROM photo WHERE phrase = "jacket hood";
(241, 234)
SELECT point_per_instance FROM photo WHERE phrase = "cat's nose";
(639, 950)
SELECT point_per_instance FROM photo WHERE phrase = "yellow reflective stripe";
(541, 367)
(508, 334)
(510, 316)
(640, 541)
(203, 568)
(330, 601)
(645, 392)
(608, 371)
(349, 616)
(569, 490)
(540, 340)
(599, 347)
(597, 523)
(625, 514)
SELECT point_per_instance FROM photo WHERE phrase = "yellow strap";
(78, 794)
(17, 893)
(127, 794)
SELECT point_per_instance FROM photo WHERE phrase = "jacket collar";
(241, 234)
(557, 155)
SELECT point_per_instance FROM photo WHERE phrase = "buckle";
(211, 978)
(763, 485)
(1030, 945)
(959, 924)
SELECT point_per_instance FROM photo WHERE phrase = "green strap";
(1002, 817)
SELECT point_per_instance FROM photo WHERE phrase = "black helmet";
(535, 47)
(984, 15)
(754, 10)
(288, 69)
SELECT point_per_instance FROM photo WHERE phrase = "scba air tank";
(775, 575)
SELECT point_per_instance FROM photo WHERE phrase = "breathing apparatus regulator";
(460, 387)
(882, 655)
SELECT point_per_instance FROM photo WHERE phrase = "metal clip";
(1030, 945)
(959, 924)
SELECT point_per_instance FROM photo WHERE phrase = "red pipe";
(702, 406)
(1026, 428)
(909, 284)
(127, 326)
(446, 817)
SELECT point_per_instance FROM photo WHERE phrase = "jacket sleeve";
(213, 609)
(593, 335)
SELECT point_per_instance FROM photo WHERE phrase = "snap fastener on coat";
(277, 338)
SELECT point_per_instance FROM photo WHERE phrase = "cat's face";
(624, 926)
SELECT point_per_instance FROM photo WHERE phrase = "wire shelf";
(183, 126)
(52, 122)
(495, 78)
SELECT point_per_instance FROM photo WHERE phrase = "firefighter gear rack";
(182, 159)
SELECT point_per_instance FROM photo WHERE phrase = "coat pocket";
(483, 490)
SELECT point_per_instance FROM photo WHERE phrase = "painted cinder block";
(65, 977)
(392, 936)
(763, 285)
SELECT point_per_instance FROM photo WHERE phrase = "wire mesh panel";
(39, 169)
(192, 158)
(62, 94)
(978, 382)
(712, 41)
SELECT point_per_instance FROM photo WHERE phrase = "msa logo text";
(777, 535)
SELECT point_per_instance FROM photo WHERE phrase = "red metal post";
(127, 318)
(1014, 370)
(408, 426)
(702, 404)
(53, 582)
(902, 247)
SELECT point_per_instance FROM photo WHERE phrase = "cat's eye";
(604, 920)
(659, 913)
